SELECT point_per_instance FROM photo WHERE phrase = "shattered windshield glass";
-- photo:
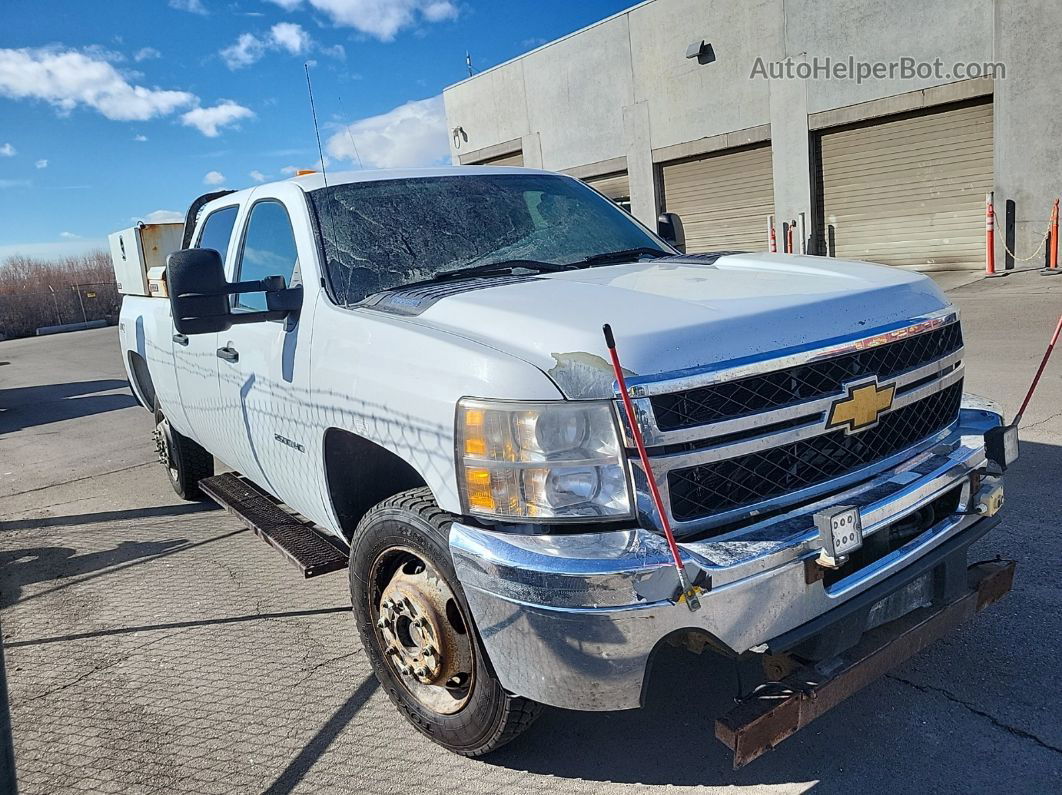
(379, 235)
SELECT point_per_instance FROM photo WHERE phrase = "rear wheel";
(416, 628)
(186, 461)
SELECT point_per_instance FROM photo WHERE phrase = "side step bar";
(754, 727)
(310, 550)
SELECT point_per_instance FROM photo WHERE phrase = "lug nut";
(422, 672)
(382, 623)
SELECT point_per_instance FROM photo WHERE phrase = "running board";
(309, 549)
(756, 726)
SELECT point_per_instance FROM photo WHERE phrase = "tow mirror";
(669, 227)
(199, 294)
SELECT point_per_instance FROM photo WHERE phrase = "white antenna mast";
(316, 129)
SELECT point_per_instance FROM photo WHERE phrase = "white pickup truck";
(407, 374)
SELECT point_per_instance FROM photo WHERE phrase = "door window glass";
(217, 230)
(268, 250)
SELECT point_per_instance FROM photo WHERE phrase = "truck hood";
(672, 316)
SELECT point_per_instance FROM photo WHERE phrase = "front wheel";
(186, 461)
(416, 628)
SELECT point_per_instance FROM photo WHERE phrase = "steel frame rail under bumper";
(756, 726)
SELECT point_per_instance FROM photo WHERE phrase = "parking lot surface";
(156, 646)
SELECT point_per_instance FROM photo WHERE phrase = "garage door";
(616, 186)
(723, 199)
(514, 159)
(910, 191)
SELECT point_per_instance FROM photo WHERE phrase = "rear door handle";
(180, 339)
(229, 354)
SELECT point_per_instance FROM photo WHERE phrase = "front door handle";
(229, 354)
(180, 339)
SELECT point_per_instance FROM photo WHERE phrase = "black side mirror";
(199, 294)
(669, 227)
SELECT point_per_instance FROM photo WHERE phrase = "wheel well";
(360, 474)
(143, 388)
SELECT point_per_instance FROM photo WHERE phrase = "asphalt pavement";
(157, 646)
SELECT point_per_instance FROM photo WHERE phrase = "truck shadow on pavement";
(31, 565)
(78, 519)
(31, 406)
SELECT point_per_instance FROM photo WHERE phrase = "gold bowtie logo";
(861, 407)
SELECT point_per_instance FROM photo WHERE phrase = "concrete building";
(707, 108)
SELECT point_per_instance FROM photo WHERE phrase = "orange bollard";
(772, 241)
(990, 238)
(789, 238)
(1054, 236)
(1052, 244)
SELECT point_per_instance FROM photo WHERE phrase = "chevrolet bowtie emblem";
(861, 407)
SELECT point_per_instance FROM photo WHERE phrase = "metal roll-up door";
(723, 199)
(513, 159)
(616, 186)
(910, 191)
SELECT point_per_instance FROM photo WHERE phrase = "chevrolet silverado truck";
(405, 377)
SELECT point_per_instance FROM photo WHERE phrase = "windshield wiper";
(504, 266)
(621, 255)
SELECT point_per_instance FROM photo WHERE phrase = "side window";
(217, 230)
(268, 250)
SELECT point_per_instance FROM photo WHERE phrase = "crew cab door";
(194, 355)
(263, 366)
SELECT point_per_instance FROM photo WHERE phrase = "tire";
(407, 527)
(186, 461)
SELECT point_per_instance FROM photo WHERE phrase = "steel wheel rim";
(421, 630)
(164, 448)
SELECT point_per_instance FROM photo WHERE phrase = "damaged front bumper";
(573, 620)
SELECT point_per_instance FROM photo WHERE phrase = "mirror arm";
(239, 318)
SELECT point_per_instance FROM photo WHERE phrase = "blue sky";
(120, 110)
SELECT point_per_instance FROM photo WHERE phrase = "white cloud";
(67, 79)
(289, 170)
(7, 150)
(161, 217)
(14, 183)
(69, 236)
(146, 53)
(413, 134)
(42, 163)
(140, 138)
(213, 178)
(290, 37)
(382, 19)
(191, 6)
(246, 51)
(335, 51)
(249, 48)
(209, 121)
(257, 176)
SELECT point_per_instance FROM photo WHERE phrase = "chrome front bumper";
(572, 620)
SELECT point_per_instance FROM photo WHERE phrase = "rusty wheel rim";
(164, 447)
(422, 631)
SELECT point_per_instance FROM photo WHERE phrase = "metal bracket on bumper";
(756, 726)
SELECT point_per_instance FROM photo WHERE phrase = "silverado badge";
(861, 407)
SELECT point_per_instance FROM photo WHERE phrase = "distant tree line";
(49, 292)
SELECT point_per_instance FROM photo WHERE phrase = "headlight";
(547, 461)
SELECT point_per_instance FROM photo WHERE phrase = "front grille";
(803, 382)
(704, 490)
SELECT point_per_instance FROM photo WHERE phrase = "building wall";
(622, 93)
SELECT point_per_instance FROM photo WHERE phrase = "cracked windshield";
(381, 235)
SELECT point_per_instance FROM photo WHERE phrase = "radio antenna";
(316, 129)
(350, 134)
